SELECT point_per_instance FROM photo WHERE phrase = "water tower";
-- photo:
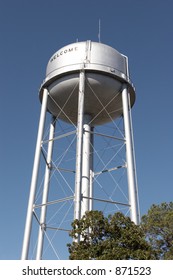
(87, 86)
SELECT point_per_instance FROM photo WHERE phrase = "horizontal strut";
(64, 169)
(108, 201)
(54, 228)
(54, 201)
(60, 136)
(105, 135)
(109, 170)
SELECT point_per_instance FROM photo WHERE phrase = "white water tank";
(106, 70)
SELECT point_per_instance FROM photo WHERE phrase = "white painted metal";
(42, 227)
(129, 156)
(87, 84)
(28, 225)
(79, 143)
(86, 153)
(96, 56)
(91, 169)
(135, 172)
(105, 71)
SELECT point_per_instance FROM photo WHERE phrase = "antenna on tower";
(99, 34)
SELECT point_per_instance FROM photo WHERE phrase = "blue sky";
(31, 31)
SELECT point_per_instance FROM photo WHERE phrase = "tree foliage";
(157, 226)
(108, 238)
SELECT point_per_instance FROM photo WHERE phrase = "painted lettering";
(63, 52)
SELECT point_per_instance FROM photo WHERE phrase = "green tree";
(102, 238)
(157, 226)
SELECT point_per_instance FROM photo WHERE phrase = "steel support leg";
(129, 155)
(91, 169)
(28, 225)
(85, 188)
(79, 144)
(42, 227)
